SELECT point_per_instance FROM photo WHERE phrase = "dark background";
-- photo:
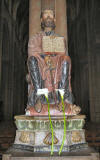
(83, 17)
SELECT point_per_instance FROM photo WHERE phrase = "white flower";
(61, 91)
(43, 91)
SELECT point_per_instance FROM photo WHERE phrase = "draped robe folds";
(35, 49)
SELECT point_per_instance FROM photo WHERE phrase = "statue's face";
(48, 14)
(48, 19)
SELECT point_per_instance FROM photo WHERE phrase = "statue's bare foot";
(70, 109)
(38, 106)
(27, 111)
(75, 110)
(66, 106)
(60, 107)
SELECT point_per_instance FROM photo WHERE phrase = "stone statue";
(48, 69)
(47, 128)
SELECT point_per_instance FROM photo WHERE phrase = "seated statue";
(49, 66)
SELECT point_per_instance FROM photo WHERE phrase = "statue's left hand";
(52, 37)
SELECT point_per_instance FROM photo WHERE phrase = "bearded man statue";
(51, 70)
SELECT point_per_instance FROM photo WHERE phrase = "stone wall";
(13, 55)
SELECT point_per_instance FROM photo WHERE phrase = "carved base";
(44, 149)
(34, 132)
(40, 138)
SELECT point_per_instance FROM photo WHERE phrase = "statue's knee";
(65, 67)
(66, 63)
(32, 62)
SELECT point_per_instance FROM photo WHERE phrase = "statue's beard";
(48, 23)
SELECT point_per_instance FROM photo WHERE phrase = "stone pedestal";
(61, 18)
(86, 154)
(34, 17)
(34, 133)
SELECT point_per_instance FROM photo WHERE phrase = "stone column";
(34, 16)
(1, 26)
(93, 44)
(61, 17)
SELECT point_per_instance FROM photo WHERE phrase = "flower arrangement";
(61, 91)
(45, 92)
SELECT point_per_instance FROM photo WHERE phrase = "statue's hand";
(52, 37)
(48, 61)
